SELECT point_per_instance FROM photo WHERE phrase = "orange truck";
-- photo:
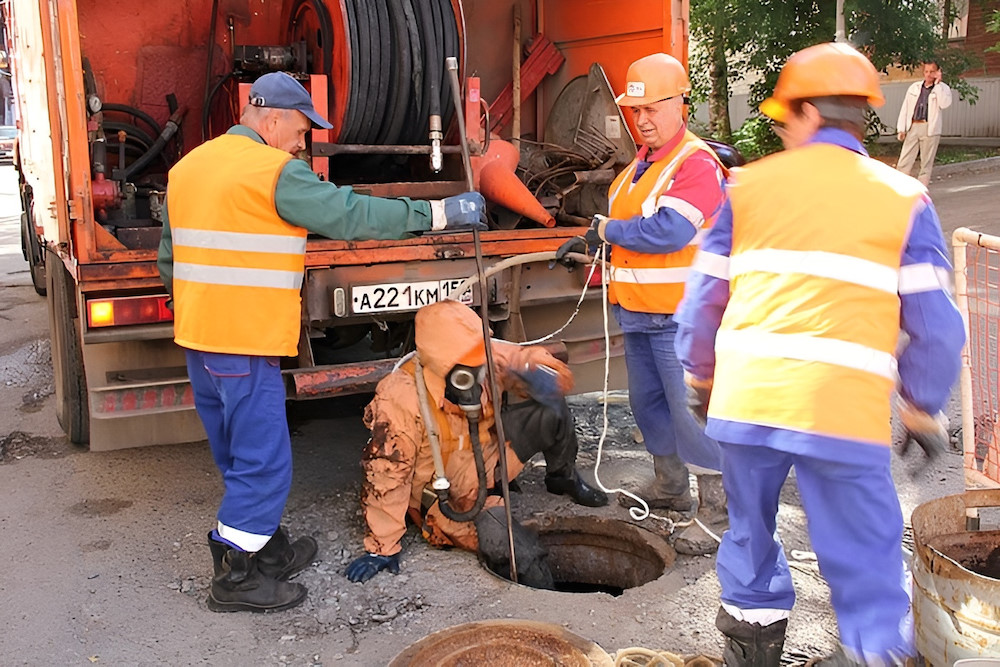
(109, 95)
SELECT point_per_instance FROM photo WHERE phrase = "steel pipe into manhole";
(503, 643)
(592, 554)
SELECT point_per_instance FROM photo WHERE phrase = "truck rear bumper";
(337, 380)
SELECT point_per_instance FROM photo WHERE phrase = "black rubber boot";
(529, 553)
(670, 488)
(750, 644)
(577, 489)
(219, 550)
(280, 559)
(241, 587)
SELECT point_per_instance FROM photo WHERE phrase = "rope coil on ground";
(636, 656)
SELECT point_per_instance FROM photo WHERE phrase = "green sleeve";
(337, 212)
(165, 257)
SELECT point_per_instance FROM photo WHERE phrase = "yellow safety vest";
(808, 339)
(643, 282)
(237, 265)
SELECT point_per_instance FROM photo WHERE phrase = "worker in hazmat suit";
(440, 394)
(788, 336)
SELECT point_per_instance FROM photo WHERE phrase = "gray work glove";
(699, 392)
(928, 431)
(588, 243)
(463, 212)
(365, 567)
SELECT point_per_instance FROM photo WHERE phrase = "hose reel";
(385, 61)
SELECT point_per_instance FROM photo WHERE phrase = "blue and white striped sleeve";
(706, 295)
(693, 196)
(929, 365)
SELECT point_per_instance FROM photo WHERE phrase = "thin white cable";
(637, 513)
(642, 512)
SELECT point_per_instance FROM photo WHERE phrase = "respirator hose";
(477, 453)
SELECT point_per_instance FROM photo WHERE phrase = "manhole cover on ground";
(503, 643)
(593, 554)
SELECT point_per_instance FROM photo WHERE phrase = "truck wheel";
(72, 408)
(34, 255)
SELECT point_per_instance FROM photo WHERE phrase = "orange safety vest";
(808, 339)
(238, 266)
(643, 282)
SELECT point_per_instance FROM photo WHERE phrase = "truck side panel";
(72, 56)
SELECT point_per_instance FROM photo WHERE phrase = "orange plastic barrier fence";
(977, 290)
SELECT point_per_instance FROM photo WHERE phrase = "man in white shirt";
(919, 123)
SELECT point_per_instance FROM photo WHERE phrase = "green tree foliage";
(758, 36)
(993, 25)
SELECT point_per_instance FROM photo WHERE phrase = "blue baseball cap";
(278, 90)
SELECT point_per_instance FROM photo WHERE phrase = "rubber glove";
(542, 383)
(462, 212)
(364, 568)
(698, 394)
(583, 244)
(928, 431)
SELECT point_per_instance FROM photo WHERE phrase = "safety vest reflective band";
(238, 266)
(808, 339)
(653, 283)
(804, 347)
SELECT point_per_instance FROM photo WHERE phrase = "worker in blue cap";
(232, 256)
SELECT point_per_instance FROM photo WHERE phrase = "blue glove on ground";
(364, 568)
(461, 212)
(543, 385)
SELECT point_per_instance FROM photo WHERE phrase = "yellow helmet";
(653, 78)
(823, 70)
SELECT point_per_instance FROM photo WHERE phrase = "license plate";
(394, 297)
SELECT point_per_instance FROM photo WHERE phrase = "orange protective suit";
(397, 461)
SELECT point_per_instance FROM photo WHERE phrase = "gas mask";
(464, 387)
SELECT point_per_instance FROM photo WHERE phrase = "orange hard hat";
(823, 70)
(653, 78)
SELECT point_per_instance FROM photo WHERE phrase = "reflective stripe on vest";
(808, 339)
(654, 283)
(238, 267)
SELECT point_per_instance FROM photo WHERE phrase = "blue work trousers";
(241, 402)
(659, 400)
(855, 526)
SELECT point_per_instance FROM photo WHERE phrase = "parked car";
(8, 133)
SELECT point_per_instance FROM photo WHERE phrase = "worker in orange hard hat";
(788, 336)
(424, 436)
(660, 207)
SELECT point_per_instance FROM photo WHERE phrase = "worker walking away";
(660, 207)
(421, 406)
(788, 334)
(239, 208)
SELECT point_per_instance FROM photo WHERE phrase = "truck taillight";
(119, 311)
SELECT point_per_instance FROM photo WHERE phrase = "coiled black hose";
(135, 113)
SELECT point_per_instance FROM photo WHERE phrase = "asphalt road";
(105, 561)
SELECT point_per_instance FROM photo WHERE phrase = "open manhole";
(502, 643)
(597, 555)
